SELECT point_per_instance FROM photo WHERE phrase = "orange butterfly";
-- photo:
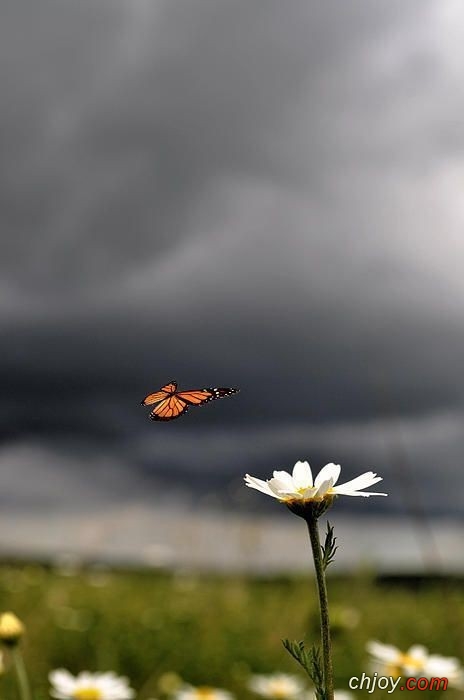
(171, 403)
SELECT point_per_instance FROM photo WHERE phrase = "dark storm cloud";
(126, 126)
(241, 193)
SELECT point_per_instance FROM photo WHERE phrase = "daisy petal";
(302, 475)
(258, 484)
(418, 652)
(340, 491)
(323, 488)
(280, 487)
(361, 482)
(285, 478)
(330, 471)
(383, 652)
(63, 681)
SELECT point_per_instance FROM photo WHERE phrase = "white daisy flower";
(89, 686)
(276, 685)
(189, 692)
(390, 661)
(300, 487)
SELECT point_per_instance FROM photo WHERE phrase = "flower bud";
(11, 629)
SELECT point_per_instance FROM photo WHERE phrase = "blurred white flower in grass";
(390, 661)
(276, 685)
(189, 692)
(89, 686)
(300, 486)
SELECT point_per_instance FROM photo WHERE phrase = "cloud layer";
(250, 194)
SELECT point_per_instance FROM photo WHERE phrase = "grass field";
(214, 630)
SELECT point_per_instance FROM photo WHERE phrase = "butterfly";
(171, 403)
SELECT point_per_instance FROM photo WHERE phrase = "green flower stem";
(323, 606)
(21, 673)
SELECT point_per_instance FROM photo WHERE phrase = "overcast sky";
(249, 193)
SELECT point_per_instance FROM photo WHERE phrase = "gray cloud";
(241, 193)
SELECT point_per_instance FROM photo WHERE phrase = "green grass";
(214, 630)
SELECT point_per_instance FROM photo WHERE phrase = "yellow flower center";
(307, 496)
(205, 693)
(406, 660)
(88, 694)
(393, 671)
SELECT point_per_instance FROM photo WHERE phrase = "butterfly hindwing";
(168, 409)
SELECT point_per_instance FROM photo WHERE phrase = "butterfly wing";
(198, 397)
(169, 408)
(163, 393)
(170, 387)
(154, 398)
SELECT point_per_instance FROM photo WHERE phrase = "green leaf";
(329, 547)
(310, 661)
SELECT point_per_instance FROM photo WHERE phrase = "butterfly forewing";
(154, 398)
(197, 397)
(163, 393)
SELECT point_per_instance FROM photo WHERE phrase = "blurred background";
(265, 195)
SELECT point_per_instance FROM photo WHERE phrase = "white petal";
(446, 666)
(254, 483)
(361, 482)
(302, 475)
(383, 652)
(85, 678)
(63, 681)
(341, 491)
(418, 652)
(330, 471)
(310, 492)
(286, 478)
(280, 488)
(323, 488)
